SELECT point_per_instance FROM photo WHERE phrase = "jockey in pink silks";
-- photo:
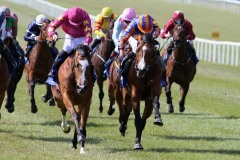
(76, 24)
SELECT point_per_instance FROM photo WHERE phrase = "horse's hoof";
(74, 147)
(170, 108)
(100, 109)
(67, 130)
(158, 122)
(34, 109)
(45, 98)
(181, 109)
(111, 111)
(122, 129)
(138, 146)
(52, 103)
(10, 108)
(82, 150)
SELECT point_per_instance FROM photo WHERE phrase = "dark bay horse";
(40, 63)
(3, 78)
(144, 79)
(75, 88)
(180, 67)
(100, 57)
(16, 73)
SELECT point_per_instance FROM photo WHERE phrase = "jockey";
(11, 29)
(119, 26)
(5, 51)
(178, 17)
(142, 24)
(76, 24)
(33, 31)
(101, 24)
(12, 22)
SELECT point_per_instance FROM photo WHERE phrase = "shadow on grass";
(200, 115)
(170, 150)
(199, 138)
(59, 139)
(58, 123)
(174, 150)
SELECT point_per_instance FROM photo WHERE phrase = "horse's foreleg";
(33, 104)
(10, 97)
(84, 112)
(111, 97)
(169, 97)
(124, 104)
(48, 96)
(156, 106)
(183, 93)
(138, 123)
(65, 126)
(16, 77)
(2, 94)
(101, 93)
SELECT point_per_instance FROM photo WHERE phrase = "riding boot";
(19, 54)
(57, 63)
(195, 58)
(125, 59)
(113, 54)
(27, 51)
(94, 45)
(9, 57)
(163, 81)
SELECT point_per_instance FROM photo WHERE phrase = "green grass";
(208, 129)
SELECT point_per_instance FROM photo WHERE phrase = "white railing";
(228, 5)
(207, 50)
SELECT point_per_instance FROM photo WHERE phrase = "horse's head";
(144, 55)
(43, 36)
(107, 44)
(179, 34)
(82, 67)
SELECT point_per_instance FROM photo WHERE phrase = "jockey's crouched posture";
(33, 31)
(178, 18)
(76, 24)
(4, 49)
(101, 24)
(139, 25)
(119, 26)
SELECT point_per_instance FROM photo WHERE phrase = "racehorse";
(144, 81)
(75, 88)
(180, 67)
(16, 73)
(40, 63)
(4, 77)
(99, 58)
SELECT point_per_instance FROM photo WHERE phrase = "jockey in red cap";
(178, 18)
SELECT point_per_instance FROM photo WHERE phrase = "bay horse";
(16, 73)
(75, 88)
(99, 58)
(40, 63)
(144, 81)
(4, 75)
(180, 67)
